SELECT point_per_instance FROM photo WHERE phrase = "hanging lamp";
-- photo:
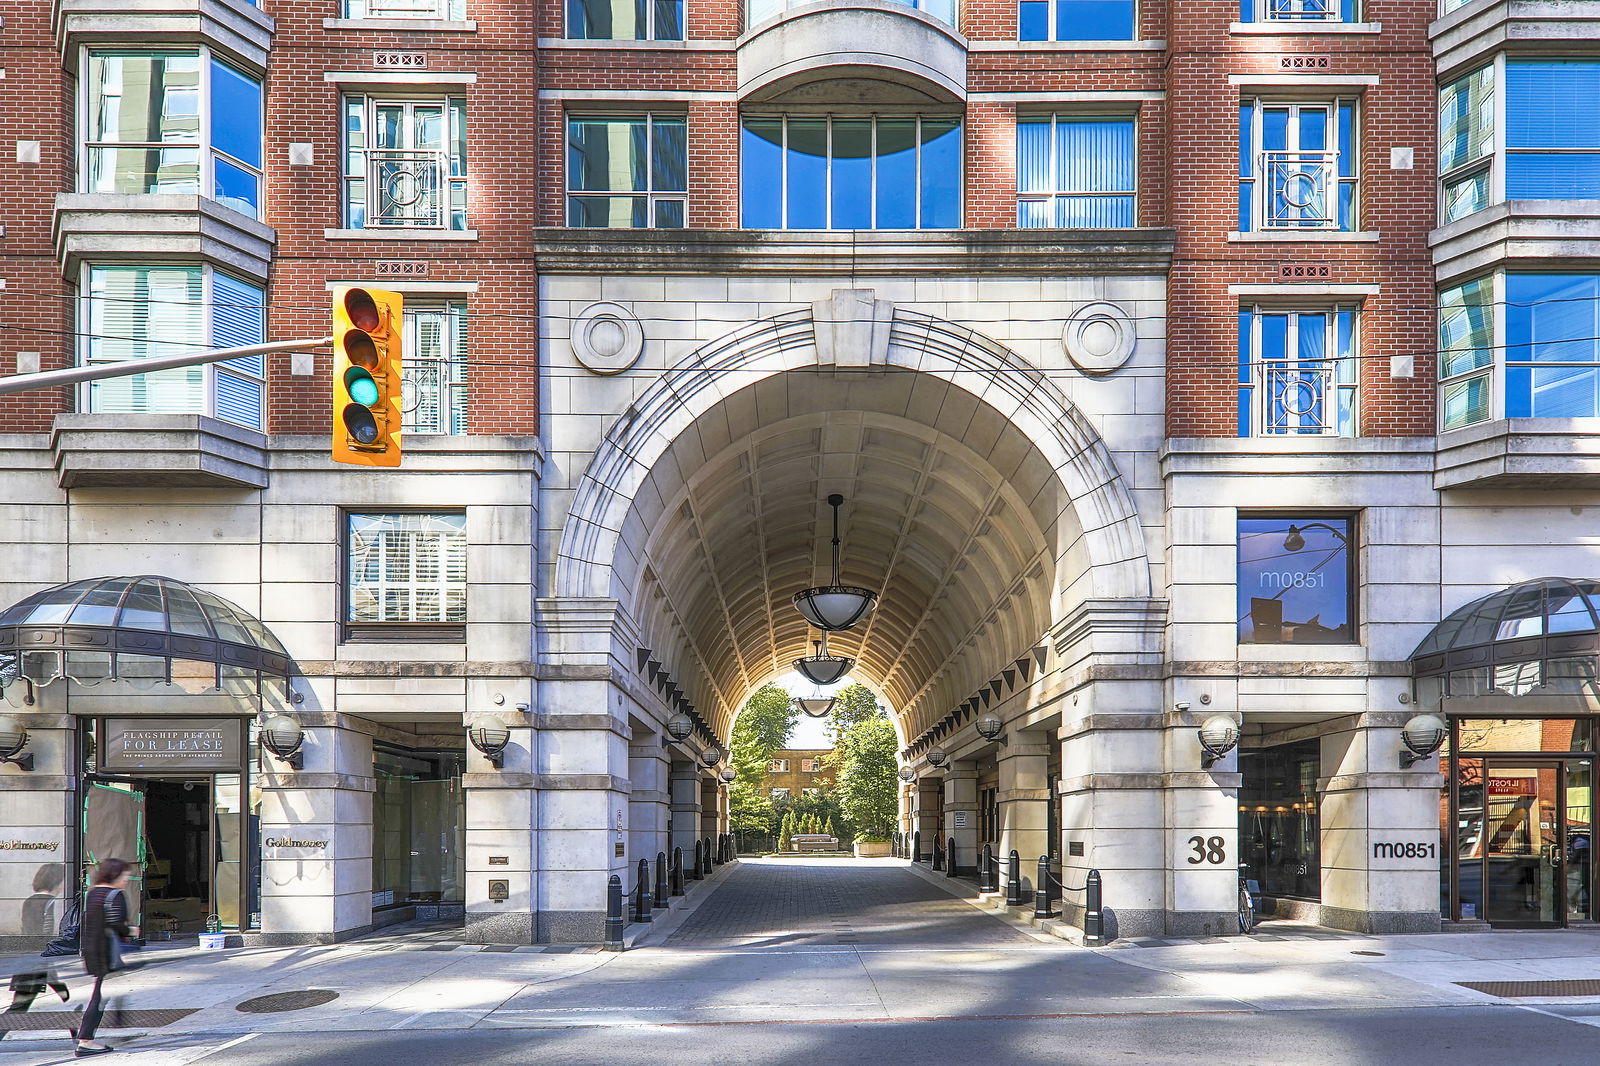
(821, 668)
(816, 705)
(835, 607)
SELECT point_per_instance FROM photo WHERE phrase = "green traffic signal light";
(359, 384)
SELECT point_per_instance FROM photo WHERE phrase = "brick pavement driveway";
(811, 902)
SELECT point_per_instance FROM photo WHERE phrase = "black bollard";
(662, 889)
(894, 845)
(938, 854)
(1094, 927)
(1014, 880)
(950, 859)
(986, 876)
(677, 871)
(696, 873)
(916, 846)
(710, 861)
(641, 900)
(1041, 890)
(615, 922)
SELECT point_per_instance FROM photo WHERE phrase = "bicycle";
(1247, 901)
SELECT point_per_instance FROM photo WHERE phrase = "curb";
(993, 904)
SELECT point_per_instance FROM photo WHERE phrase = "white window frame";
(1332, 183)
(1493, 162)
(453, 395)
(1261, 395)
(207, 153)
(1053, 22)
(778, 793)
(432, 10)
(84, 398)
(827, 194)
(1052, 198)
(447, 182)
(443, 587)
(1283, 11)
(778, 766)
(1495, 370)
(650, 25)
(651, 196)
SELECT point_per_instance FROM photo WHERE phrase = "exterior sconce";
(711, 756)
(989, 726)
(13, 738)
(1423, 735)
(729, 775)
(907, 773)
(1219, 735)
(679, 726)
(490, 736)
(936, 757)
(282, 736)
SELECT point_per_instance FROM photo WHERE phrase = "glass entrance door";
(1525, 840)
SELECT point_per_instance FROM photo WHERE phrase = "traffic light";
(367, 362)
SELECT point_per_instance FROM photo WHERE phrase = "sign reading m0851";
(1412, 850)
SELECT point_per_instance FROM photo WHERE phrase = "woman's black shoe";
(80, 1051)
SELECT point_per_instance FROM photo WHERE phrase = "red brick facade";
(1188, 151)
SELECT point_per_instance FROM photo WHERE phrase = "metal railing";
(1301, 11)
(1048, 888)
(406, 187)
(1300, 190)
(1298, 396)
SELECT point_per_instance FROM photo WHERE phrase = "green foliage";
(785, 831)
(856, 704)
(762, 727)
(750, 813)
(865, 754)
(827, 827)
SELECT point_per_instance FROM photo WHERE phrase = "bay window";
(627, 171)
(1075, 170)
(179, 121)
(405, 163)
(850, 172)
(1297, 372)
(1466, 143)
(136, 311)
(1298, 165)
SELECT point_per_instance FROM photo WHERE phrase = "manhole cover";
(1514, 989)
(1374, 954)
(282, 1001)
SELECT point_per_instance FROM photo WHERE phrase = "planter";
(877, 849)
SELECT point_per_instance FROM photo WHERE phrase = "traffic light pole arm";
(124, 368)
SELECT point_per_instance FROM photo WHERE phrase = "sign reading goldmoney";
(171, 745)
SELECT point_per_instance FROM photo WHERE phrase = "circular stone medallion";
(1098, 338)
(607, 338)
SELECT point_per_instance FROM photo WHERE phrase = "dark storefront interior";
(1279, 823)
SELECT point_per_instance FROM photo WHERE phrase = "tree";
(785, 831)
(750, 814)
(856, 704)
(867, 783)
(827, 828)
(762, 727)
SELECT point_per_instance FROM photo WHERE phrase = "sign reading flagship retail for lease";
(171, 745)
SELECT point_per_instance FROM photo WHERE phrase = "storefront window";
(1279, 827)
(1296, 579)
(418, 827)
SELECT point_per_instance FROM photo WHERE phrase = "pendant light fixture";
(835, 607)
(815, 705)
(821, 668)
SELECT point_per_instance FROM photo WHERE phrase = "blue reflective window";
(625, 20)
(850, 172)
(1075, 20)
(1552, 139)
(1075, 171)
(1298, 165)
(1296, 579)
(1552, 345)
(627, 171)
(1297, 372)
(1297, 11)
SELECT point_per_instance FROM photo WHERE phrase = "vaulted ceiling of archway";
(950, 513)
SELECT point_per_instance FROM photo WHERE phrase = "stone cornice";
(1034, 252)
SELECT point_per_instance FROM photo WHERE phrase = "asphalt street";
(822, 962)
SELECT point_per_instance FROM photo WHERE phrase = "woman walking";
(105, 926)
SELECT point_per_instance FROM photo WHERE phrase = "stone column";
(316, 837)
(710, 806)
(501, 810)
(1201, 808)
(38, 822)
(1024, 793)
(685, 781)
(930, 793)
(961, 814)
(1370, 809)
(649, 799)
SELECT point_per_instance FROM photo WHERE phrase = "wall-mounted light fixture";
(907, 773)
(729, 775)
(1423, 735)
(936, 757)
(711, 756)
(1219, 735)
(282, 736)
(989, 726)
(490, 736)
(13, 738)
(679, 726)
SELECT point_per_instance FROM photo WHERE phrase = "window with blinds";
(434, 386)
(133, 312)
(1075, 170)
(406, 570)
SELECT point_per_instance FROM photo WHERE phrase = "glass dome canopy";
(142, 628)
(1547, 618)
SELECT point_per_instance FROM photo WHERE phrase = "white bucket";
(212, 941)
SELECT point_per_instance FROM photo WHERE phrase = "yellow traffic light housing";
(367, 364)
